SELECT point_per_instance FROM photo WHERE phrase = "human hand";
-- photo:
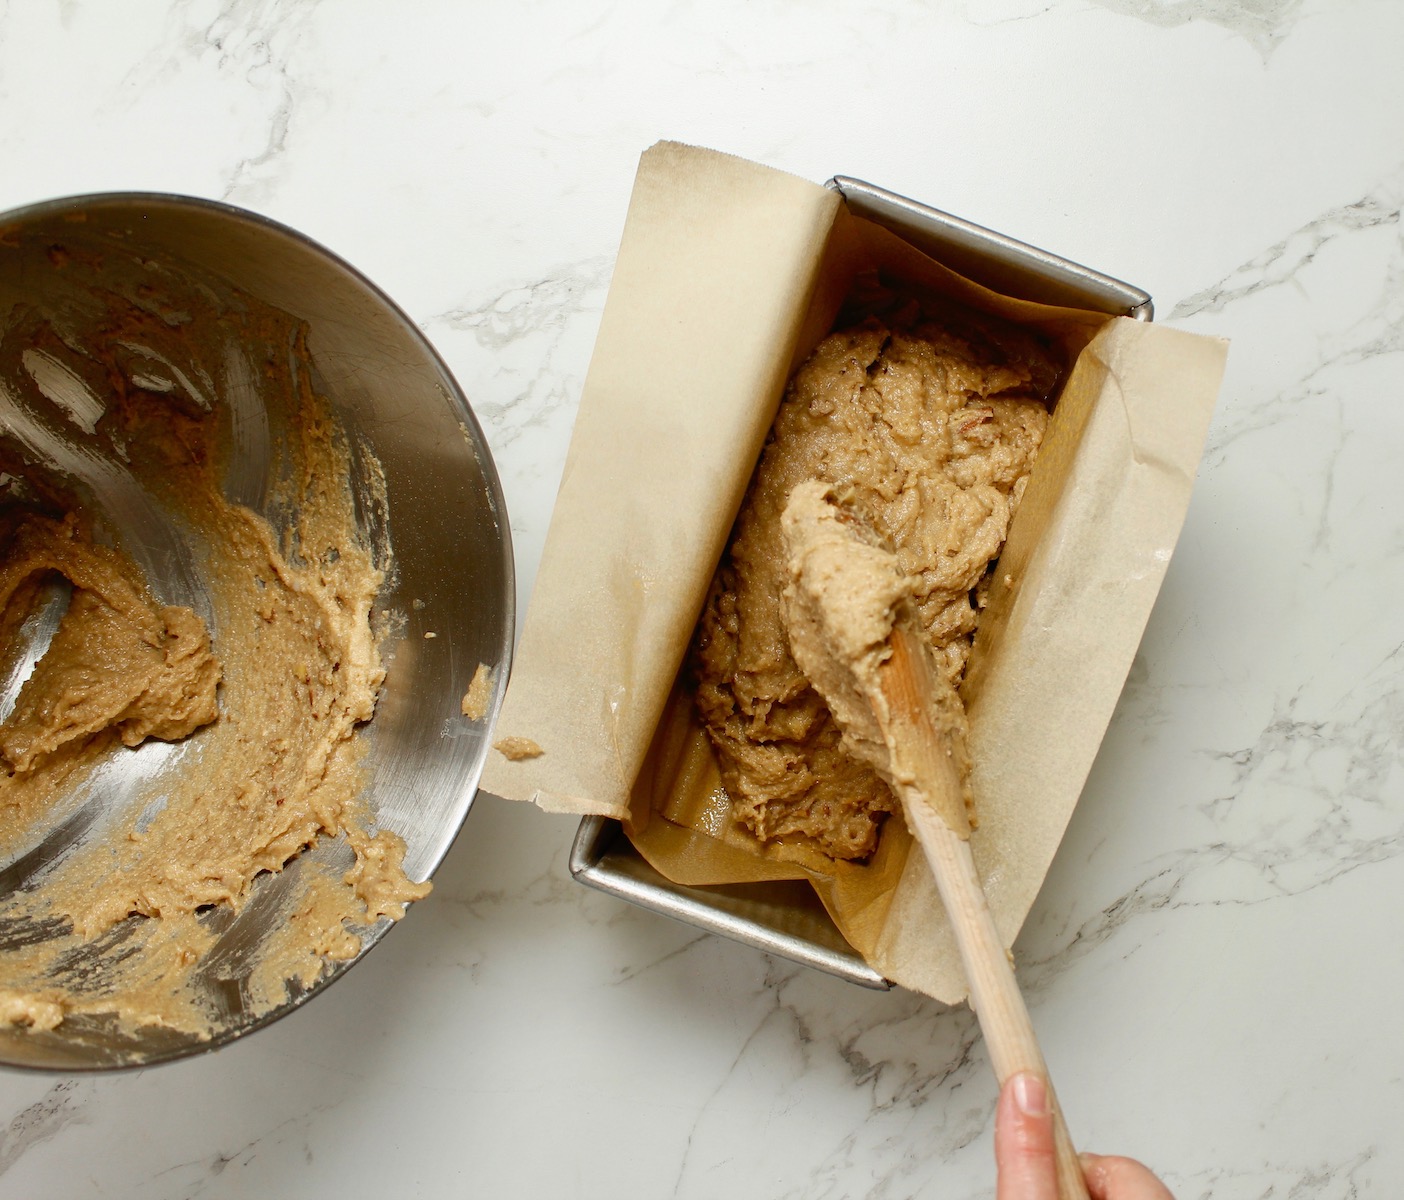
(1024, 1153)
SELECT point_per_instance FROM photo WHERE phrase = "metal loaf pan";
(787, 919)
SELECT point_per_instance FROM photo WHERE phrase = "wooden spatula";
(893, 703)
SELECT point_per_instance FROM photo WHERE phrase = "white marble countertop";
(1212, 963)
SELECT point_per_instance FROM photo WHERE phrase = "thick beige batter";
(845, 601)
(265, 772)
(517, 748)
(118, 662)
(931, 428)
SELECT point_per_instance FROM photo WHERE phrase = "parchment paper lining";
(728, 274)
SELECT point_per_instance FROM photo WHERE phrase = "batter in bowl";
(259, 697)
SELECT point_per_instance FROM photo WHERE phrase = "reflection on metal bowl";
(220, 301)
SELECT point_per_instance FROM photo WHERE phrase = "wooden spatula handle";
(994, 993)
(933, 786)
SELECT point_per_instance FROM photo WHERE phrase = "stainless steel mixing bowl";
(452, 570)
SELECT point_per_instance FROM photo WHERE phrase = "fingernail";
(1030, 1095)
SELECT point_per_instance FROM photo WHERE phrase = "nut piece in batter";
(931, 428)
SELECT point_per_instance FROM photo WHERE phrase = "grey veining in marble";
(1212, 963)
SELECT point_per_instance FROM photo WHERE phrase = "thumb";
(1024, 1156)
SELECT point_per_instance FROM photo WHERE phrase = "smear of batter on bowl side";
(293, 651)
(475, 699)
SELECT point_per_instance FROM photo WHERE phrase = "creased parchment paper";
(728, 274)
